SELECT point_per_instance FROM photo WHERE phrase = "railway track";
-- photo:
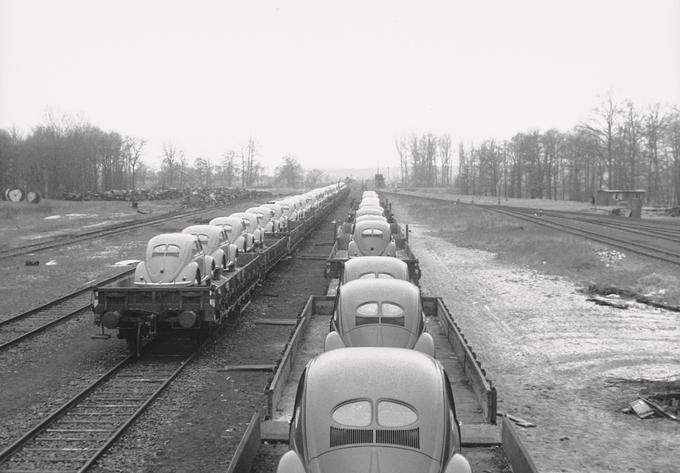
(90, 234)
(627, 242)
(658, 240)
(75, 435)
(34, 321)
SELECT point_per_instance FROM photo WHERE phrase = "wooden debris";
(657, 408)
(619, 304)
(641, 408)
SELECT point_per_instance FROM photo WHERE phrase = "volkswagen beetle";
(379, 313)
(267, 221)
(235, 228)
(254, 230)
(402, 421)
(175, 259)
(371, 238)
(216, 243)
(281, 221)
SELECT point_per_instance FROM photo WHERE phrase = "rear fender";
(290, 463)
(141, 275)
(457, 464)
(189, 273)
(220, 258)
(209, 265)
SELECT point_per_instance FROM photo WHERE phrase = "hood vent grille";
(406, 438)
(341, 437)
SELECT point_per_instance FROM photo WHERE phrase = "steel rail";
(68, 239)
(58, 414)
(638, 248)
(12, 324)
(530, 215)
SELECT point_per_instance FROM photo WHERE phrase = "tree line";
(66, 155)
(620, 146)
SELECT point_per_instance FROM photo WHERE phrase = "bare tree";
(290, 172)
(171, 160)
(248, 153)
(445, 154)
(132, 154)
(315, 177)
(230, 169)
(654, 124)
(402, 150)
(603, 127)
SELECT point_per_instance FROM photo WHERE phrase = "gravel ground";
(197, 424)
(557, 360)
(40, 374)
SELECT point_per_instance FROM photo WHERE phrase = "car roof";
(355, 267)
(209, 230)
(399, 374)
(359, 291)
(408, 375)
(377, 224)
(180, 239)
(230, 220)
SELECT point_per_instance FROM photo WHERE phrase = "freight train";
(376, 399)
(180, 288)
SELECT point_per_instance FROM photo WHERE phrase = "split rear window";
(166, 250)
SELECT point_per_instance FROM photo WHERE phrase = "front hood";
(373, 460)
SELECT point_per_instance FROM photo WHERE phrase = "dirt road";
(557, 360)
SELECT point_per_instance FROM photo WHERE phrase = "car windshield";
(371, 232)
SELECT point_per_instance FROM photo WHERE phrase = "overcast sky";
(333, 83)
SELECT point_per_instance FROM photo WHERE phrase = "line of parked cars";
(376, 400)
(200, 254)
(193, 279)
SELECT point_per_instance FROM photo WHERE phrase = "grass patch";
(523, 243)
